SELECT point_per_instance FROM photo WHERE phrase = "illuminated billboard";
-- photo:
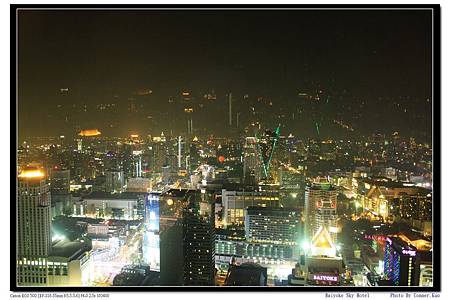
(151, 248)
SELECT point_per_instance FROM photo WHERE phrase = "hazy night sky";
(98, 54)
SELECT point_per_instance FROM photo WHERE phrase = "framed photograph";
(225, 148)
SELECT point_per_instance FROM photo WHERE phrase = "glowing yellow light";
(134, 135)
(31, 174)
(89, 132)
(169, 202)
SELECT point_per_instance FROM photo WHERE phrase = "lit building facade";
(126, 206)
(171, 206)
(70, 264)
(320, 265)
(236, 201)
(272, 225)
(33, 227)
(151, 246)
(60, 182)
(252, 161)
(115, 181)
(320, 209)
(187, 238)
(399, 262)
(408, 262)
(231, 245)
(199, 240)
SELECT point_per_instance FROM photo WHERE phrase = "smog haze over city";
(371, 70)
(283, 148)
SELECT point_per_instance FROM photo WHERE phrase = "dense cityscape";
(317, 185)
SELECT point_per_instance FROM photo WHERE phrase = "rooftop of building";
(31, 172)
(247, 274)
(245, 188)
(255, 209)
(71, 250)
(401, 246)
(230, 234)
(116, 196)
(391, 184)
(321, 186)
(178, 193)
(232, 186)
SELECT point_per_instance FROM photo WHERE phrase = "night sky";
(377, 57)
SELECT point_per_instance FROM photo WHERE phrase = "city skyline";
(288, 149)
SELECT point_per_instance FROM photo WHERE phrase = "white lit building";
(33, 227)
(320, 209)
(70, 264)
(236, 201)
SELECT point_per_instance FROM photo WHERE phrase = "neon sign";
(325, 277)
(409, 252)
(375, 237)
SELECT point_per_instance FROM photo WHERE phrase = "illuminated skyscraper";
(33, 227)
(320, 209)
(230, 116)
(115, 181)
(266, 147)
(151, 248)
(179, 152)
(60, 191)
(400, 262)
(199, 240)
(171, 207)
(252, 161)
(187, 238)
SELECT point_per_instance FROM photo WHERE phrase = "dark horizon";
(373, 66)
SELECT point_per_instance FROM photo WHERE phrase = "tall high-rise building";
(60, 182)
(267, 142)
(320, 209)
(136, 162)
(115, 181)
(180, 150)
(400, 262)
(230, 115)
(33, 227)
(252, 161)
(199, 240)
(159, 151)
(187, 238)
(60, 191)
(171, 205)
(151, 247)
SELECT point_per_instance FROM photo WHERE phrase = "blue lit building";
(151, 247)
(400, 262)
